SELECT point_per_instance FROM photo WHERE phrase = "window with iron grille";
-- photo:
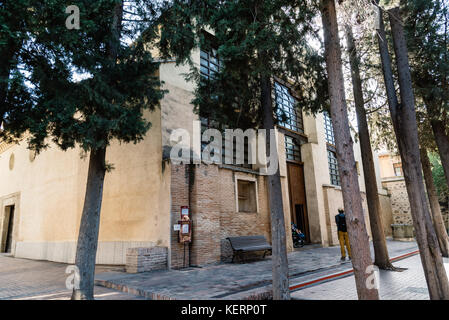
(328, 128)
(210, 64)
(288, 114)
(333, 168)
(331, 154)
(292, 149)
(209, 124)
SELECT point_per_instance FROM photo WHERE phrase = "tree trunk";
(358, 236)
(442, 141)
(6, 63)
(438, 222)
(281, 289)
(404, 119)
(86, 249)
(90, 221)
(381, 258)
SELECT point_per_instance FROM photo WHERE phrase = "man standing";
(340, 220)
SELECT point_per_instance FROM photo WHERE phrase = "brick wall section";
(214, 212)
(179, 189)
(234, 223)
(205, 206)
(146, 259)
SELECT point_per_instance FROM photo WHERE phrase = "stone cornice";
(5, 146)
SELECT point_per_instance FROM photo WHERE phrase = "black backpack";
(341, 223)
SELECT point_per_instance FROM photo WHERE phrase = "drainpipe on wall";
(191, 179)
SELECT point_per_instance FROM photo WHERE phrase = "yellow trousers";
(344, 239)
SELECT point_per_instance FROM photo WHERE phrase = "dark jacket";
(340, 220)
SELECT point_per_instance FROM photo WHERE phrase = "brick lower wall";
(179, 189)
(146, 259)
(234, 223)
(213, 212)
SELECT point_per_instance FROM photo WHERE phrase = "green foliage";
(254, 38)
(87, 88)
(17, 24)
(438, 177)
(426, 25)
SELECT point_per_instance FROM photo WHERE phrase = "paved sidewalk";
(232, 281)
(407, 285)
(31, 279)
(23, 279)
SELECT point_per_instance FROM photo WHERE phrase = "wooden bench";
(248, 244)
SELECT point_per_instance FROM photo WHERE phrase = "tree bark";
(6, 63)
(86, 249)
(90, 220)
(358, 236)
(442, 141)
(404, 119)
(381, 258)
(438, 222)
(281, 289)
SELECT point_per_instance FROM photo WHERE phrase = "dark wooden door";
(10, 224)
(297, 193)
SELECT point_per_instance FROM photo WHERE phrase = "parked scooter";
(298, 237)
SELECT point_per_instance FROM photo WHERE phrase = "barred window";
(333, 168)
(331, 154)
(328, 128)
(206, 123)
(210, 64)
(288, 114)
(292, 149)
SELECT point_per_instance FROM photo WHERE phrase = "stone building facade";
(144, 194)
(394, 183)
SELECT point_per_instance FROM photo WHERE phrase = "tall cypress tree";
(381, 257)
(257, 41)
(426, 25)
(358, 235)
(117, 85)
(403, 116)
(20, 21)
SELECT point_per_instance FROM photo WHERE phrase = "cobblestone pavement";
(232, 281)
(407, 285)
(23, 279)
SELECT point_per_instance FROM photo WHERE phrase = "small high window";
(398, 169)
(333, 168)
(210, 63)
(292, 149)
